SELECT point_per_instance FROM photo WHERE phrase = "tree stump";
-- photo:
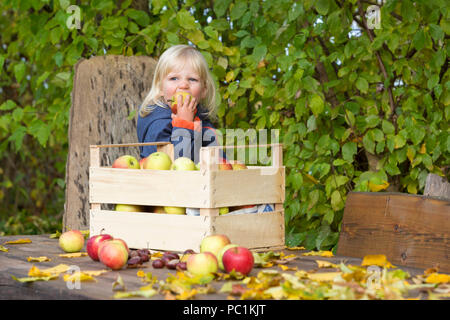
(107, 92)
(437, 186)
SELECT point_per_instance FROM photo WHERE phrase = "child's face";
(185, 79)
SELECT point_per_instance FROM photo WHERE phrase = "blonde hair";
(170, 60)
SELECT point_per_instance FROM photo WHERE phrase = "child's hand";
(186, 110)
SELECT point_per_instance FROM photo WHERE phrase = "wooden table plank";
(14, 263)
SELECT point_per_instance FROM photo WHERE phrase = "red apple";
(239, 166)
(71, 241)
(113, 253)
(214, 243)
(126, 162)
(157, 161)
(239, 259)
(94, 242)
(224, 164)
(201, 264)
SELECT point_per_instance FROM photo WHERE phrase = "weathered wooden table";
(14, 263)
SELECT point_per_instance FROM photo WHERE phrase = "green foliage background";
(357, 108)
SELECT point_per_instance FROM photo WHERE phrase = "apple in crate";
(224, 165)
(175, 210)
(224, 210)
(183, 164)
(214, 243)
(93, 244)
(157, 161)
(126, 162)
(128, 208)
(239, 166)
(71, 241)
(201, 264)
(239, 259)
(113, 253)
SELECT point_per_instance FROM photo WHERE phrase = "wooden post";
(208, 165)
(95, 162)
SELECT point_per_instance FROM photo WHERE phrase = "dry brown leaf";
(18, 241)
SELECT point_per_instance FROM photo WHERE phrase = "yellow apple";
(175, 210)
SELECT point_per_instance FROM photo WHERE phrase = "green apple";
(197, 166)
(183, 164)
(224, 210)
(214, 243)
(71, 241)
(175, 210)
(221, 252)
(126, 162)
(157, 161)
(128, 208)
(239, 166)
(202, 264)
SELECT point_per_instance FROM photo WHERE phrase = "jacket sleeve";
(159, 130)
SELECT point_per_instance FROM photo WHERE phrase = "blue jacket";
(186, 136)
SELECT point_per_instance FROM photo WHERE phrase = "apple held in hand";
(157, 161)
(174, 105)
(183, 164)
(175, 210)
(93, 244)
(128, 208)
(214, 243)
(71, 241)
(126, 162)
(113, 253)
(201, 264)
(239, 259)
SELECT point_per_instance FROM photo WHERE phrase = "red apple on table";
(214, 243)
(126, 162)
(71, 241)
(201, 264)
(239, 259)
(93, 244)
(113, 253)
(157, 161)
(220, 255)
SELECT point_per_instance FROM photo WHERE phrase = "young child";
(180, 68)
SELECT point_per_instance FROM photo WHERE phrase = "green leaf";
(362, 85)
(238, 10)
(19, 71)
(348, 151)
(220, 7)
(337, 202)
(418, 41)
(186, 20)
(141, 17)
(322, 6)
(316, 104)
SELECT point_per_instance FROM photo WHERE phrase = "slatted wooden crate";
(208, 189)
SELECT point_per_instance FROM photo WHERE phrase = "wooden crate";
(208, 189)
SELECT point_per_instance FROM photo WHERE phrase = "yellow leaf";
(378, 187)
(78, 276)
(325, 264)
(4, 249)
(118, 284)
(286, 268)
(32, 279)
(73, 255)
(36, 272)
(438, 278)
(18, 241)
(38, 259)
(376, 260)
(296, 248)
(327, 254)
(310, 177)
(323, 276)
(145, 292)
(423, 148)
(60, 268)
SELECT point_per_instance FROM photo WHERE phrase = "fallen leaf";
(321, 253)
(18, 241)
(438, 278)
(32, 279)
(38, 259)
(376, 260)
(118, 284)
(55, 235)
(325, 264)
(295, 248)
(323, 276)
(4, 249)
(286, 268)
(78, 276)
(145, 292)
(73, 255)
